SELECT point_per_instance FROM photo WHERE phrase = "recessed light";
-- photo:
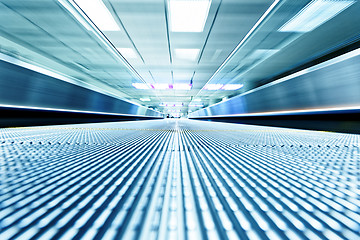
(188, 16)
(314, 14)
(99, 14)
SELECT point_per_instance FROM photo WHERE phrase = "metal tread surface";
(178, 179)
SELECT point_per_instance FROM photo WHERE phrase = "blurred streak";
(243, 41)
(334, 84)
(23, 87)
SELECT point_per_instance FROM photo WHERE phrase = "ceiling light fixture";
(182, 86)
(127, 52)
(195, 105)
(188, 16)
(99, 14)
(171, 104)
(141, 86)
(161, 86)
(315, 14)
(145, 99)
(232, 86)
(213, 87)
(187, 53)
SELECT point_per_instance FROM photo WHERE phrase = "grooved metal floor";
(178, 179)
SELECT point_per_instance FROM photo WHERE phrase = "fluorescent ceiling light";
(161, 86)
(314, 14)
(216, 86)
(182, 86)
(127, 52)
(187, 53)
(232, 86)
(99, 14)
(188, 16)
(171, 104)
(145, 99)
(196, 105)
(197, 100)
(141, 86)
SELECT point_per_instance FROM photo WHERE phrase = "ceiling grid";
(174, 63)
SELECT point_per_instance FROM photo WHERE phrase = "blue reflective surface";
(20, 86)
(332, 84)
(185, 179)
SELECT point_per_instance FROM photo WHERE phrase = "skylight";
(188, 16)
(314, 14)
(99, 14)
(187, 53)
(127, 52)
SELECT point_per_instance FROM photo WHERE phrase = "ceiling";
(242, 42)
